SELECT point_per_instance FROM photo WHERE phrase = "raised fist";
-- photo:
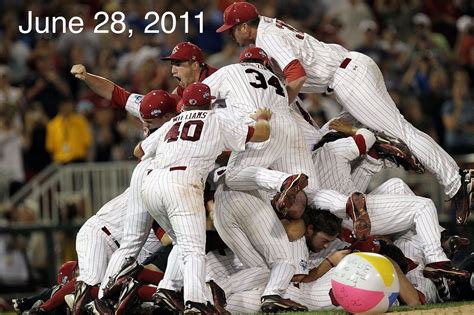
(79, 71)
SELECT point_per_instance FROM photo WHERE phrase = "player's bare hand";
(263, 113)
(342, 126)
(79, 71)
(337, 256)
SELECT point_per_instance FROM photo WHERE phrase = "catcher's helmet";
(67, 271)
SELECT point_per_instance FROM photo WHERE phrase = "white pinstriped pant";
(392, 213)
(136, 228)
(252, 230)
(175, 199)
(286, 153)
(94, 249)
(361, 90)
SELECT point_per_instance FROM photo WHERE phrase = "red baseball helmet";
(254, 53)
(197, 94)
(67, 271)
(157, 103)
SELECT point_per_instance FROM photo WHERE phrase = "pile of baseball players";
(234, 147)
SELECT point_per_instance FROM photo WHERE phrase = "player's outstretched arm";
(262, 126)
(101, 86)
(294, 87)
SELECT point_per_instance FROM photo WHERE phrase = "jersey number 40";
(191, 131)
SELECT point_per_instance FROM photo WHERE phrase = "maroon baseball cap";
(254, 53)
(186, 51)
(157, 103)
(197, 94)
(236, 13)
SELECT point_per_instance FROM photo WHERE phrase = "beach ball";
(365, 283)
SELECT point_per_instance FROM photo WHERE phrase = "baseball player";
(96, 241)
(184, 150)
(156, 107)
(51, 301)
(390, 207)
(311, 66)
(187, 66)
(242, 88)
(253, 231)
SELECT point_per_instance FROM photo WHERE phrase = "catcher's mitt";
(397, 151)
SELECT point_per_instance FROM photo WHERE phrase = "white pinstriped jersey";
(284, 44)
(194, 139)
(246, 87)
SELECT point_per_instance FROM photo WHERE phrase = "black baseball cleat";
(454, 244)
(168, 300)
(218, 296)
(128, 297)
(194, 308)
(288, 191)
(129, 269)
(275, 304)
(356, 209)
(99, 307)
(443, 269)
(82, 297)
(463, 201)
(22, 304)
(397, 151)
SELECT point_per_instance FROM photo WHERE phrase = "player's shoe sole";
(356, 209)
(275, 303)
(444, 270)
(291, 186)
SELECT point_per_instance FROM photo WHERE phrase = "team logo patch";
(206, 95)
(155, 112)
(248, 55)
(175, 49)
(192, 101)
(137, 99)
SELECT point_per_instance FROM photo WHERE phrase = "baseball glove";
(397, 151)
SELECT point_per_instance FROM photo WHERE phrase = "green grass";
(395, 309)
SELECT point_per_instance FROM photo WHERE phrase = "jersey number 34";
(261, 83)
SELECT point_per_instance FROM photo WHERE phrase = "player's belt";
(107, 232)
(343, 65)
(178, 168)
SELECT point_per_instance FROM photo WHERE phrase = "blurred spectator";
(458, 116)
(35, 155)
(46, 84)
(14, 272)
(465, 44)
(11, 98)
(228, 55)
(321, 108)
(105, 134)
(417, 77)
(12, 175)
(131, 131)
(351, 13)
(371, 42)
(68, 136)
(36, 250)
(422, 24)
